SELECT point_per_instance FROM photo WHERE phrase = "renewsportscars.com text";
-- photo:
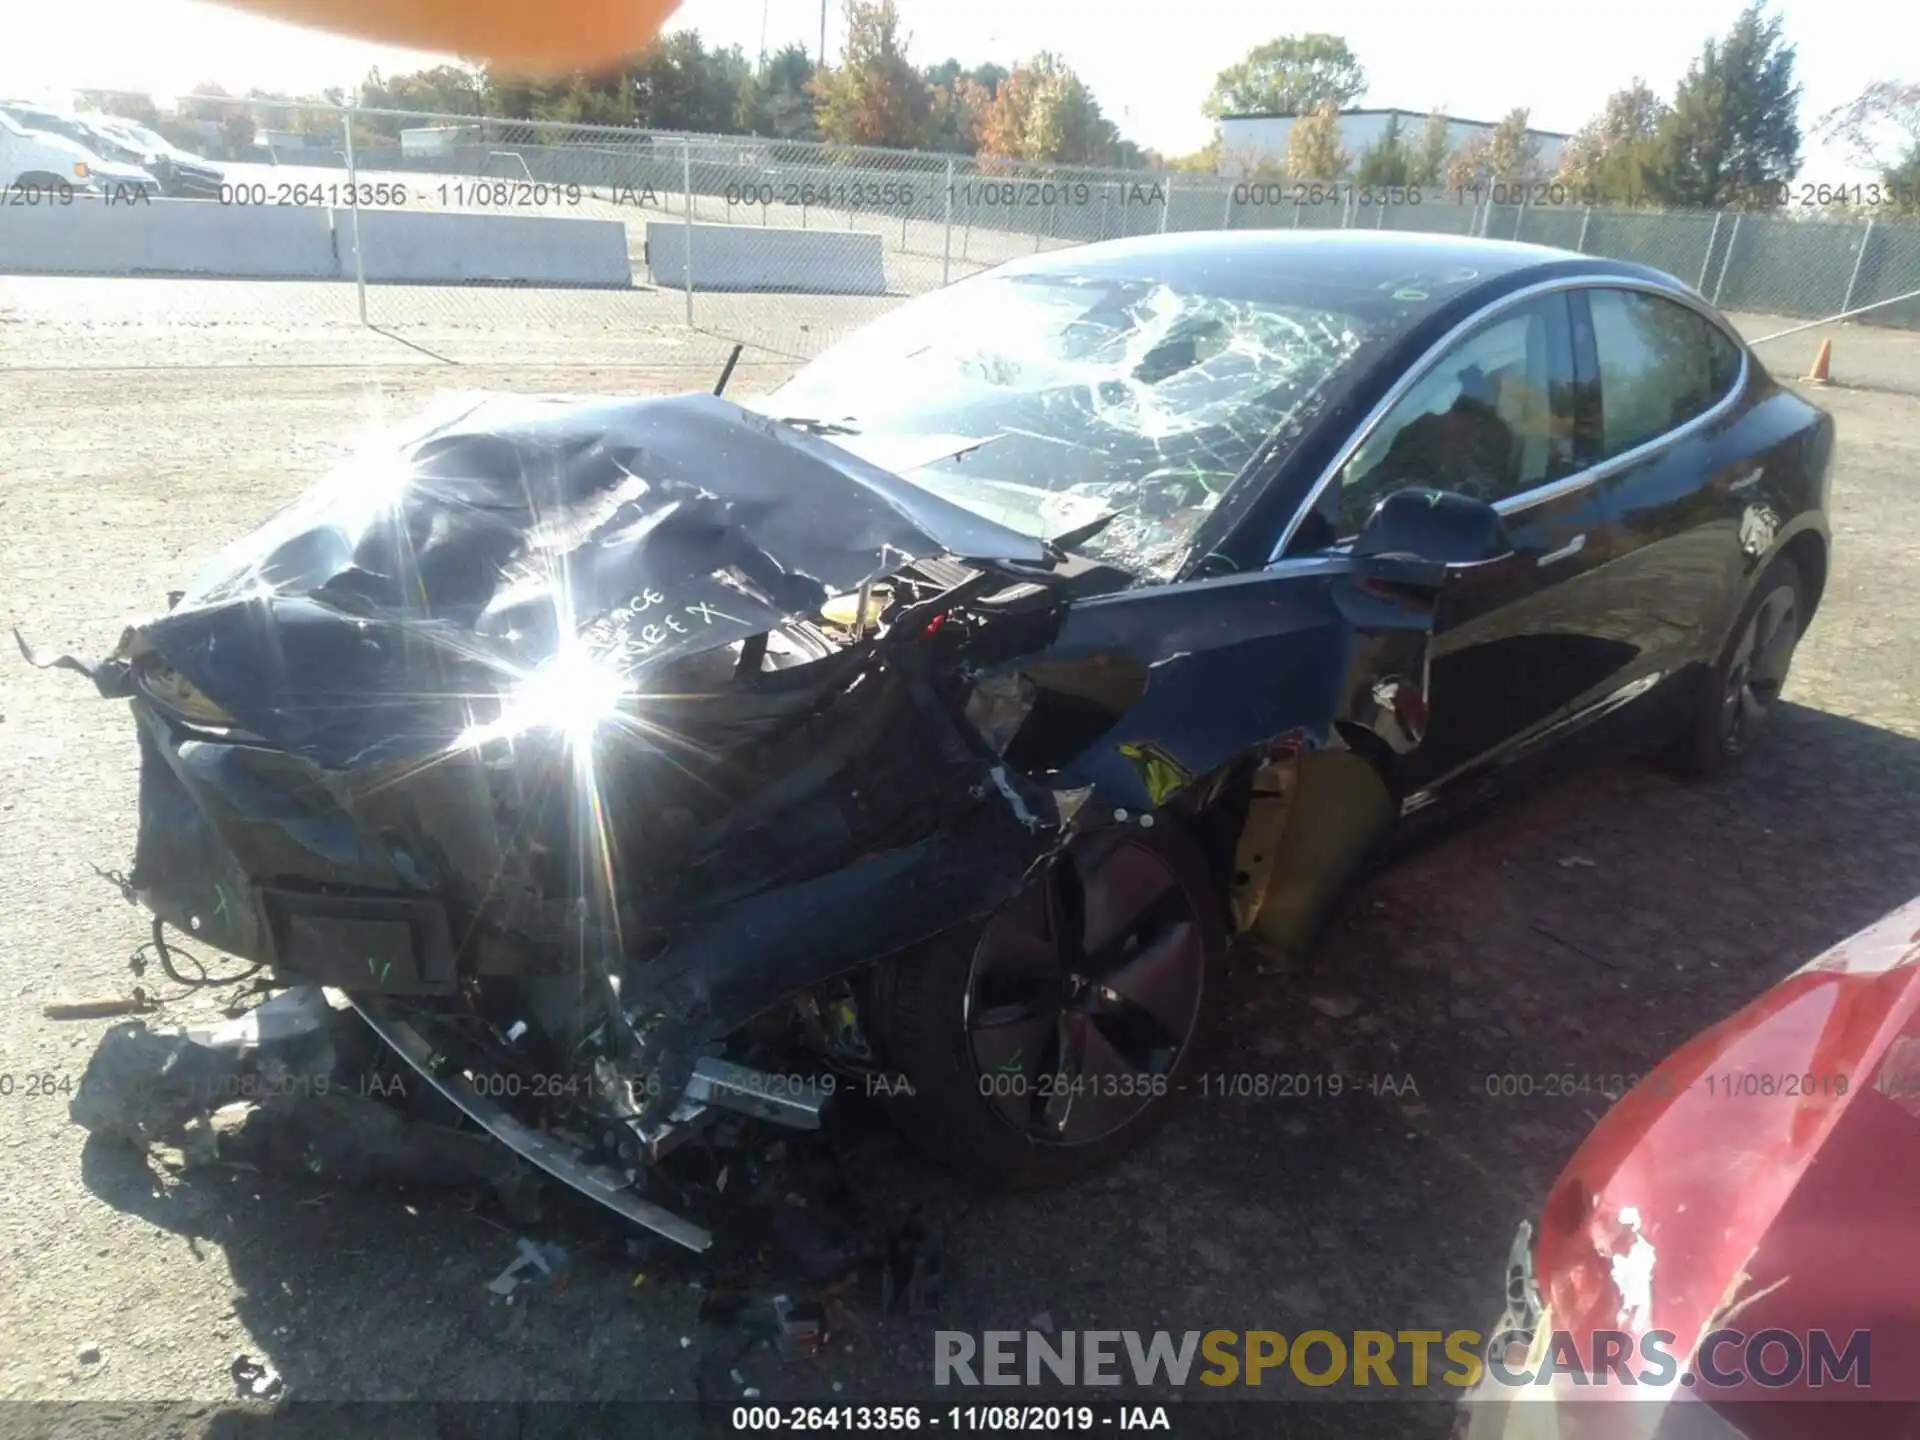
(1771, 1359)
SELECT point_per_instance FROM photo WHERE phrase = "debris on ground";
(911, 1278)
(88, 1354)
(1335, 1007)
(138, 1003)
(290, 1088)
(144, 1088)
(256, 1378)
(803, 1327)
(532, 1258)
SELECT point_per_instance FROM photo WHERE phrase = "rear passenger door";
(1664, 490)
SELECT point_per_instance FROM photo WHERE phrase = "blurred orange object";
(528, 36)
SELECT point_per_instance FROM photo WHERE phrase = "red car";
(1735, 1249)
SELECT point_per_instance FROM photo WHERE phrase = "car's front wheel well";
(1808, 552)
(1284, 838)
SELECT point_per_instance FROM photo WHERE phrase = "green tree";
(1293, 75)
(1513, 152)
(874, 96)
(1470, 167)
(1427, 164)
(1314, 151)
(236, 132)
(960, 98)
(126, 104)
(778, 102)
(1387, 161)
(1881, 131)
(1608, 158)
(679, 84)
(1043, 111)
(1732, 135)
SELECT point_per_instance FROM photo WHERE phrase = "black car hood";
(369, 614)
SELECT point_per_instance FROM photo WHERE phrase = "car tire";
(1012, 1125)
(1736, 699)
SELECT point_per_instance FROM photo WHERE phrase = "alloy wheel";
(1085, 991)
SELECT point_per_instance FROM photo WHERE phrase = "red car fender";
(1766, 1176)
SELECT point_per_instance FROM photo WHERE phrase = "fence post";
(1520, 216)
(1585, 220)
(946, 248)
(1733, 237)
(1226, 208)
(1381, 223)
(686, 177)
(353, 199)
(1706, 260)
(1166, 204)
(1866, 239)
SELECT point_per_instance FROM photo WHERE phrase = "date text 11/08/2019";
(957, 1419)
(932, 199)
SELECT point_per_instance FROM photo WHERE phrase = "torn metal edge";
(596, 1182)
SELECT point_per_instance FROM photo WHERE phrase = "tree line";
(1727, 137)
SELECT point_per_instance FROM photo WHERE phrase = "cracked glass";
(1048, 401)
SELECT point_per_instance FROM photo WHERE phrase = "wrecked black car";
(940, 716)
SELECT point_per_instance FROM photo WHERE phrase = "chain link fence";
(480, 240)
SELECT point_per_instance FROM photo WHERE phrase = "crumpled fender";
(1763, 1175)
(1233, 663)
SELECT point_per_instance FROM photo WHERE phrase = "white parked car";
(36, 166)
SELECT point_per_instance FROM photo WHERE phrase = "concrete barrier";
(767, 258)
(168, 237)
(416, 247)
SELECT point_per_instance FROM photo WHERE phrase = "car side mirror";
(1434, 525)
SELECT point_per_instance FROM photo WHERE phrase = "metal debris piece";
(256, 1378)
(143, 1088)
(137, 1003)
(545, 1260)
(803, 1326)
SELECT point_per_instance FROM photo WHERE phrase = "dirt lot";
(1587, 927)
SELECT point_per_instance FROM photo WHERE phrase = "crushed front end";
(589, 748)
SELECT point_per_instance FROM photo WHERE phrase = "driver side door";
(1504, 415)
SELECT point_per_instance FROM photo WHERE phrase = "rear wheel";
(1740, 696)
(1056, 1035)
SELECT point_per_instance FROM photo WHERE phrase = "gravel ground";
(1587, 927)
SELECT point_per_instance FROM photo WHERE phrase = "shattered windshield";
(1046, 401)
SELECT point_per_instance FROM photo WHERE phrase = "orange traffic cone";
(1821, 363)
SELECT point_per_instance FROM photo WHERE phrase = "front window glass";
(1493, 418)
(1045, 401)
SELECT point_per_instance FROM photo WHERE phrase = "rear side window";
(1661, 365)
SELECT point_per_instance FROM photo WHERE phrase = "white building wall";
(1245, 141)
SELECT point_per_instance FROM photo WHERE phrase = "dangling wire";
(205, 981)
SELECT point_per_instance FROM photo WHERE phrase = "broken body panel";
(537, 723)
(1760, 1179)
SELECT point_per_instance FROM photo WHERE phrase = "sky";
(1150, 65)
